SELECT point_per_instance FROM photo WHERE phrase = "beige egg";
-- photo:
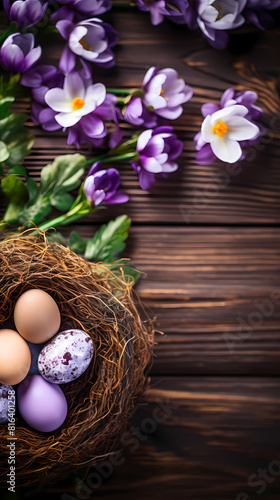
(15, 357)
(36, 316)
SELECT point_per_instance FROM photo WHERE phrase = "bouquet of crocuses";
(67, 98)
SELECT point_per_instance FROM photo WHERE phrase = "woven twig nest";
(91, 298)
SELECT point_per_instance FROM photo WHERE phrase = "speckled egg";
(4, 393)
(66, 356)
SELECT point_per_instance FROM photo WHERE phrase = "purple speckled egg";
(4, 393)
(66, 356)
(42, 405)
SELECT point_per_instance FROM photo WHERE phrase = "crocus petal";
(74, 86)
(11, 57)
(32, 57)
(241, 129)
(209, 108)
(143, 139)
(226, 150)
(96, 92)
(67, 61)
(57, 100)
(205, 155)
(119, 197)
(64, 28)
(206, 129)
(67, 119)
(151, 165)
(146, 179)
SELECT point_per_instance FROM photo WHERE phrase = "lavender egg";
(42, 405)
(4, 393)
(66, 356)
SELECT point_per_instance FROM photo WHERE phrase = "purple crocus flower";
(102, 186)
(247, 99)
(91, 40)
(41, 79)
(257, 12)
(25, 13)
(18, 53)
(214, 17)
(81, 9)
(157, 149)
(175, 10)
(163, 96)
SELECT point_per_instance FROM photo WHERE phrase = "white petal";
(241, 129)
(96, 93)
(67, 119)
(57, 100)
(225, 113)
(143, 139)
(206, 130)
(225, 149)
(74, 86)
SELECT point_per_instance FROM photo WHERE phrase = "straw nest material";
(92, 298)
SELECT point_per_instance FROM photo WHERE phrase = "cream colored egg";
(15, 357)
(36, 316)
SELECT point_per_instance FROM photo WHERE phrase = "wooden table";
(208, 243)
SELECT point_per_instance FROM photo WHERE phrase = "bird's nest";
(91, 298)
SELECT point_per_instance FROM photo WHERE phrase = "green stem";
(119, 91)
(76, 213)
(107, 159)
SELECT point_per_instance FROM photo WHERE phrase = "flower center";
(161, 92)
(220, 129)
(78, 103)
(84, 44)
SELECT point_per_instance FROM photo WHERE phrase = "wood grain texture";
(216, 295)
(194, 194)
(207, 242)
(214, 435)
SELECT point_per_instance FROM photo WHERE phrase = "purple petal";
(33, 56)
(146, 180)
(119, 197)
(205, 156)
(209, 108)
(12, 57)
(67, 61)
(65, 28)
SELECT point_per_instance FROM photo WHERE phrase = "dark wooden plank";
(216, 294)
(215, 436)
(194, 194)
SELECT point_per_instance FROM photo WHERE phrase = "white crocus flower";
(75, 100)
(224, 128)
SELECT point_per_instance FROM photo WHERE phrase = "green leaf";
(36, 212)
(19, 147)
(32, 189)
(16, 192)
(108, 241)
(4, 152)
(77, 244)
(63, 174)
(19, 170)
(61, 201)
(13, 122)
(5, 104)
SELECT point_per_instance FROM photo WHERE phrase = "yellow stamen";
(78, 103)
(161, 92)
(84, 44)
(220, 129)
